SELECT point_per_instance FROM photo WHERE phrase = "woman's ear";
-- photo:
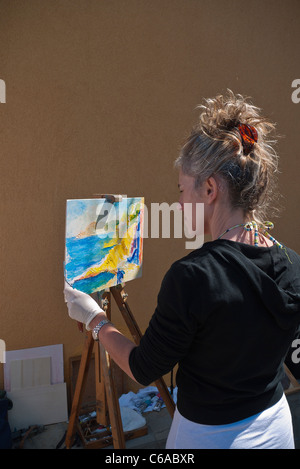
(211, 189)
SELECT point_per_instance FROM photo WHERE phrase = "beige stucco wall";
(99, 95)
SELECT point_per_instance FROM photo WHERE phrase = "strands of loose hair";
(215, 146)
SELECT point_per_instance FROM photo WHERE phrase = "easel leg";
(101, 397)
(81, 379)
(109, 388)
(101, 408)
(112, 401)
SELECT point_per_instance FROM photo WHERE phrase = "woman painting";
(227, 312)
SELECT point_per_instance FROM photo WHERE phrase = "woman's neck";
(223, 220)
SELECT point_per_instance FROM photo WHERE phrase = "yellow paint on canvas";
(119, 252)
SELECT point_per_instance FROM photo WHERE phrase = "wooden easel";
(106, 396)
(107, 403)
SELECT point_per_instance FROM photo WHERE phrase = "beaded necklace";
(263, 228)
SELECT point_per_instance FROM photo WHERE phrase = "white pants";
(271, 429)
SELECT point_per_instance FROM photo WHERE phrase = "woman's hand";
(81, 306)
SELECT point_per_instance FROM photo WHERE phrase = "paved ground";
(158, 424)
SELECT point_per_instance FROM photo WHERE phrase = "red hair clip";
(249, 137)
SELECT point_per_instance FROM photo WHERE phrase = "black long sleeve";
(227, 314)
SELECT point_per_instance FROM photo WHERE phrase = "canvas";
(104, 242)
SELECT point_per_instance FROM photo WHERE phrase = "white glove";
(81, 306)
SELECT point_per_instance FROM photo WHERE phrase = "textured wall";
(99, 95)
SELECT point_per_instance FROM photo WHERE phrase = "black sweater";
(227, 314)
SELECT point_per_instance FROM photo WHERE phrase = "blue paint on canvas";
(104, 254)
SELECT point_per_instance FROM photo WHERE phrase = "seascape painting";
(104, 242)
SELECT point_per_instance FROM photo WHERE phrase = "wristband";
(98, 327)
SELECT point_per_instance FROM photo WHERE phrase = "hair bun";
(225, 141)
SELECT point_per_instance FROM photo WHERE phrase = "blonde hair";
(215, 147)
